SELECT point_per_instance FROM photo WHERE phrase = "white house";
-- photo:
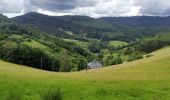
(94, 64)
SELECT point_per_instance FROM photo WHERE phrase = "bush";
(149, 55)
(135, 57)
(139, 57)
(116, 61)
(28, 40)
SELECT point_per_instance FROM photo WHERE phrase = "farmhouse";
(94, 64)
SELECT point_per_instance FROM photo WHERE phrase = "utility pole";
(21, 62)
(86, 66)
(41, 63)
(53, 65)
(86, 69)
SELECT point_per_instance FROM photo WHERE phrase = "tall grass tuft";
(51, 94)
(13, 96)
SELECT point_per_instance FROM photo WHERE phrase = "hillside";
(126, 29)
(146, 79)
(59, 25)
(28, 46)
(139, 21)
(68, 43)
(106, 29)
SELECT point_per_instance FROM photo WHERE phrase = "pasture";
(146, 79)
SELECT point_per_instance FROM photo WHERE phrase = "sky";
(93, 8)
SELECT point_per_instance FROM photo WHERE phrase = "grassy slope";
(117, 43)
(79, 43)
(147, 79)
(36, 44)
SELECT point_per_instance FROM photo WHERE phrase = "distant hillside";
(3, 18)
(139, 21)
(64, 22)
(76, 24)
(116, 28)
(81, 26)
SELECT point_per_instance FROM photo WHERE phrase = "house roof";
(94, 63)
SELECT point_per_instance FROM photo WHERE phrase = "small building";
(94, 64)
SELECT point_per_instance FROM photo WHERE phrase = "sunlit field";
(146, 79)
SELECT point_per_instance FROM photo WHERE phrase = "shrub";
(139, 57)
(149, 55)
(28, 40)
(116, 61)
(135, 57)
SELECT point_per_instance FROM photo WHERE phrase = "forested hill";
(76, 24)
(102, 28)
(139, 21)
(3, 18)
(82, 26)
(68, 43)
(103, 22)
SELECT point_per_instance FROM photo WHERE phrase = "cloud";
(11, 6)
(108, 8)
(94, 8)
(28, 7)
(59, 5)
(153, 7)
(115, 8)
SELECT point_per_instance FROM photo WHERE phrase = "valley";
(45, 57)
(80, 39)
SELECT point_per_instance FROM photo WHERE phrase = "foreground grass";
(147, 79)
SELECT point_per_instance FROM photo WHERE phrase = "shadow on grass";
(13, 96)
(46, 94)
(51, 94)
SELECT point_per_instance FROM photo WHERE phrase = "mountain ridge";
(139, 21)
(131, 21)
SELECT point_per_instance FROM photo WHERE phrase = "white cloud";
(11, 6)
(94, 8)
(52, 13)
(109, 8)
(153, 7)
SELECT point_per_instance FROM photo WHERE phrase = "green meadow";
(117, 43)
(146, 79)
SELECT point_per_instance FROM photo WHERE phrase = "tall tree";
(64, 62)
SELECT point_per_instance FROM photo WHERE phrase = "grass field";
(146, 79)
(79, 43)
(36, 44)
(117, 43)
